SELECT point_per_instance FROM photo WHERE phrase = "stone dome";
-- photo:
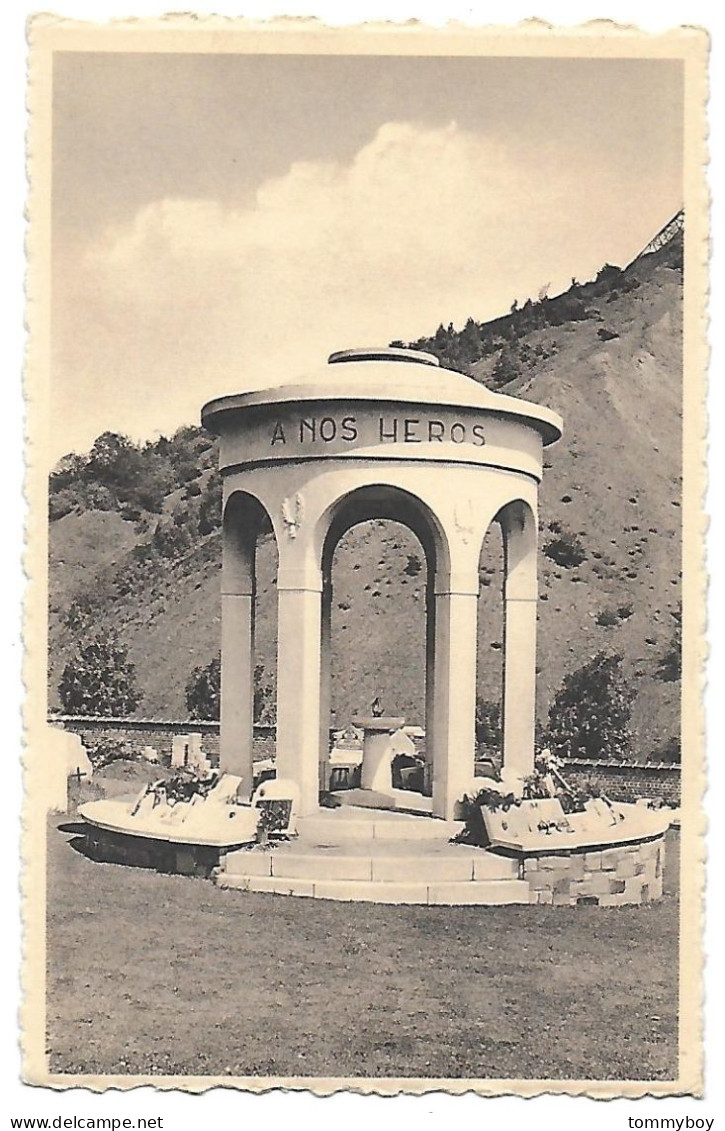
(387, 374)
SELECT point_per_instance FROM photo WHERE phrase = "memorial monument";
(378, 434)
(385, 434)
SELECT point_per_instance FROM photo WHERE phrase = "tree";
(488, 723)
(590, 715)
(507, 368)
(99, 679)
(203, 693)
(203, 689)
(264, 697)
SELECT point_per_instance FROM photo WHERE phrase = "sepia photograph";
(366, 559)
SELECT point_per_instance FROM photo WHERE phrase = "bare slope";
(610, 497)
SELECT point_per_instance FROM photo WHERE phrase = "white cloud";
(193, 299)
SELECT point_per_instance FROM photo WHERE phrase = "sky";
(223, 222)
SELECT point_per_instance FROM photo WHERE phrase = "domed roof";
(387, 374)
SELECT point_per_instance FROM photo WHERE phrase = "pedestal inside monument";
(378, 751)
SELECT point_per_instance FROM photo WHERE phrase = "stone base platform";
(379, 857)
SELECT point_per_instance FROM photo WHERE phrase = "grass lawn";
(168, 975)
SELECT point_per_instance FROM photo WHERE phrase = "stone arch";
(383, 500)
(449, 716)
(244, 519)
(519, 531)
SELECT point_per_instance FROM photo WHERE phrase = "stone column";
(298, 684)
(518, 526)
(519, 684)
(454, 719)
(237, 681)
(430, 676)
(325, 681)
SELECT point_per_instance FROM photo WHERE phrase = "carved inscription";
(322, 430)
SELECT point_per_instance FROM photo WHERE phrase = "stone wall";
(158, 733)
(619, 780)
(607, 877)
(624, 781)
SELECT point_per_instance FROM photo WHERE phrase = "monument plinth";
(378, 751)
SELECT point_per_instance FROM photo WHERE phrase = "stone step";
(383, 866)
(348, 824)
(443, 893)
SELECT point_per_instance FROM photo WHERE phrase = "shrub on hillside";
(508, 366)
(210, 505)
(413, 566)
(568, 307)
(566, 550)
(133, 479)
(609, 617)
(670, 666)
(99, 679)
(590, 714)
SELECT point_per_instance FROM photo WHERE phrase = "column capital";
(459, 591)
(299, 579)
(238, 589)
(457, 584)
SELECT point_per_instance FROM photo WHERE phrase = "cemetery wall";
(158, 733)
(620, 781)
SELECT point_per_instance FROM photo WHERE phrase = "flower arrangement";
(545, 782)
(179, 788)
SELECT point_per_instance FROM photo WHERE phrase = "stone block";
(592, 861)
(650, 871)
(612, 900)
(531, 864)
(322, 867)
(276, 885)
(611, 858)
(248, 863)
(655, 888)
(633, 889)
(599, 884)
(545, 897)
(562, 899)
(576, 866)
(539, 881)
(357, 891)
(485, 893)
(562, 886)
(553, 862)
(627, 866)
(660, 859)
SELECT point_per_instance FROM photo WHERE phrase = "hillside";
(135, 532)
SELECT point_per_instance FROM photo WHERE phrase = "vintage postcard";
(365, 621)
